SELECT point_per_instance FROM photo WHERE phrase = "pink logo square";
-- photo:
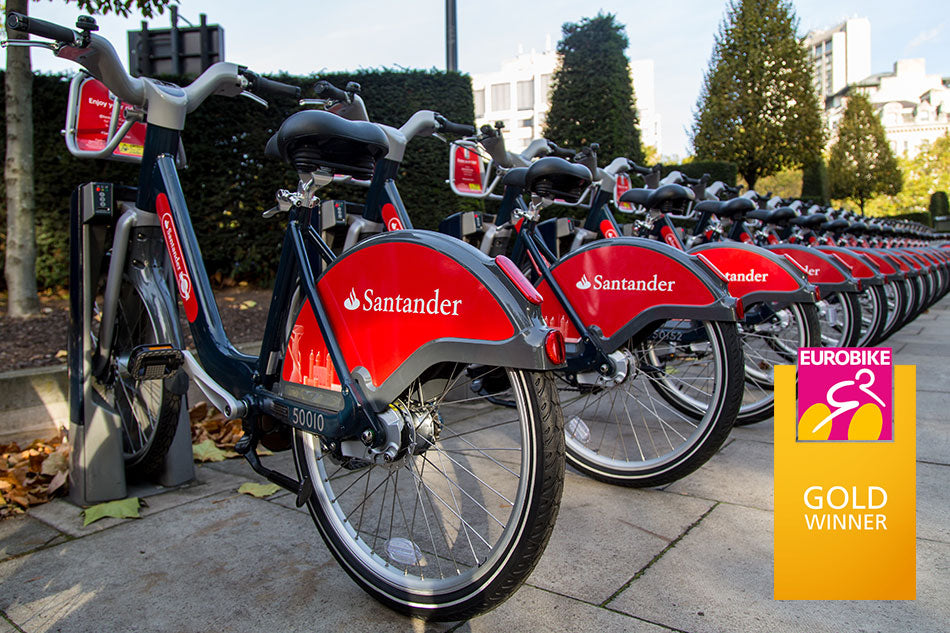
(845, 393)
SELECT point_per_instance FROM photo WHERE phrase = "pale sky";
(312, 37)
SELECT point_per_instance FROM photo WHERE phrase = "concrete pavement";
(695, 556)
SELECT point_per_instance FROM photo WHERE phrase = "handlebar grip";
(643, 171)
(268, 87)
(454, 128)
(488, 131)
(561, 152)
(40, 28)
(323, 89)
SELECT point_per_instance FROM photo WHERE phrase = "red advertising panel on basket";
(92, 123)
(467, 170)
(621, 186)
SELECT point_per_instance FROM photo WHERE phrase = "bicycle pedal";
(154, 362)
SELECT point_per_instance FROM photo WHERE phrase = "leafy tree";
(20, 255)
(757, 107)
(923, 174)
(592, 99)
(862, 164)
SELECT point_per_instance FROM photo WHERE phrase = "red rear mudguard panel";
(861, 267)
(621, 285)
(400, 302)
(897, 259)
(755, 274)
(825, 272)
(885, 265)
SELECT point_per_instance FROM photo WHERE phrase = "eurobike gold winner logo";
(845, 394)
(845, 477)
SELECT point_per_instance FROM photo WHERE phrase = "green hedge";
(228, 182)
(914, 216)
(815, 181)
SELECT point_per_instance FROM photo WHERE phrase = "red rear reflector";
(817, 293)
(554, 346)
(519, 280)
(740, 309)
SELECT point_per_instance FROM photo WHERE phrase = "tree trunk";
(20, 264)
(750, 177)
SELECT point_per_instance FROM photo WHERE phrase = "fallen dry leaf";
(32, 475)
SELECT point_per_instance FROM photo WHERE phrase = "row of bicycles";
(432, 385)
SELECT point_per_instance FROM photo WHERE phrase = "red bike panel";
(92, 124)
(382, 319)
(750, 270)
(858, 268)
(621, 186)
(883, 265)
(896, 258)
(467, 175)
(391, 218)
(610, 285)
(818, 268)
(186, 289)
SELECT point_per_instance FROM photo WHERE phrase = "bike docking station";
(97, 470)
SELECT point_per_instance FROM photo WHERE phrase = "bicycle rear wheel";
(620, 432)
(147, 409)
(839, 316)
(771, 335)
(455, 525)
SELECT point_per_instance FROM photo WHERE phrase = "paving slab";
(763, 431)
(536, 610)
(6, 627)
(741, 473)
(933, 373)
(67, 518)
(933, 441)
(222, 563)
(605, 534)
(22, 534)
(933, 502)
(719, 578)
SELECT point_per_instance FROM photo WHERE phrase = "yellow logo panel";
(845, 512)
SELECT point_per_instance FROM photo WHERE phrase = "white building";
(518, 94)
(840, 56)
(914, 107)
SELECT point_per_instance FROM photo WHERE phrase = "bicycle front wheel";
(455, 525)
(147, 409)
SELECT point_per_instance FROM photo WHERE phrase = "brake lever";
(314, 102)
(254, 97)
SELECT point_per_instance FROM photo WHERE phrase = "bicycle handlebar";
(41, 28)
(454, 128)
(323, 89)
(643, 171)
(561, 152)
(268, 87)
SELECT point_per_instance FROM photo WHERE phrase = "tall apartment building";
(840, 56)
(519, 94)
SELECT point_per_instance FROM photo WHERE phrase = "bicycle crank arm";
(231, 407)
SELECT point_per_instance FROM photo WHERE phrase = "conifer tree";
(757, 107)
(862, 164)
(592, 98)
